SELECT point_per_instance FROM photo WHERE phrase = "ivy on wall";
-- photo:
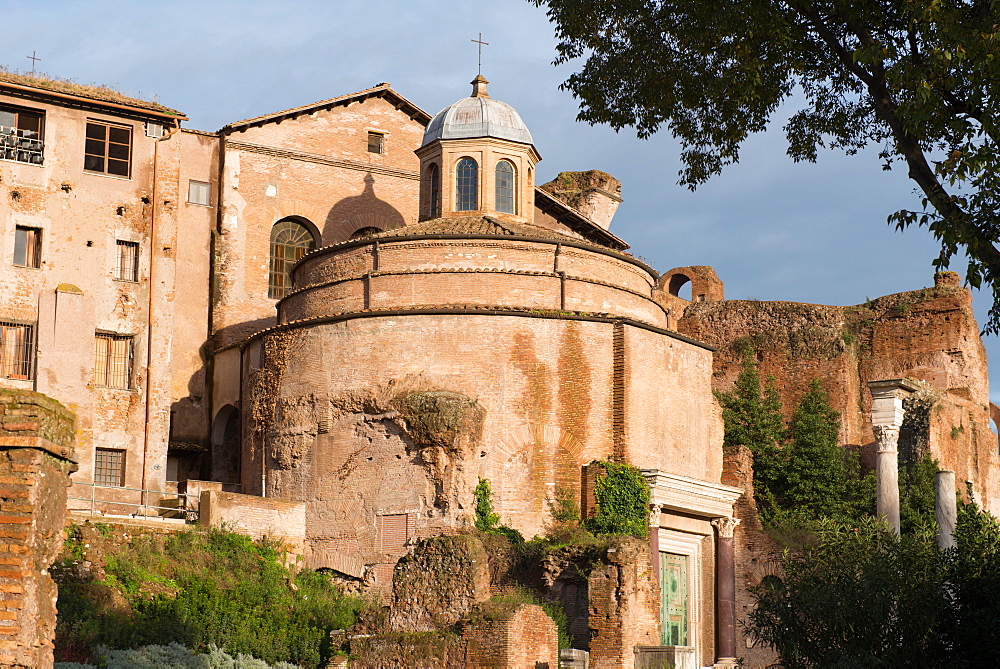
(622, 497)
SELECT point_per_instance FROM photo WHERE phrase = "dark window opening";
(108, 149)
(113, 360)
(109, 467)
(376, 142)
(21, 135)
(127, 267)
(17, 346)
(27, 247)
(435, 191)
(467, 185)
(289, 242)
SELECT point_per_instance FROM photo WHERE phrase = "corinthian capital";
(886, 436)
(654, 514)
(725, 526)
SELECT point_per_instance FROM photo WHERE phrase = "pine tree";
(752, 415)
(819, 477)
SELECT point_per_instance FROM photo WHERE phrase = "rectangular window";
(127, 267)
(200, 192)
(109, 467)
(27, 247)
(17, 351)
(21, 135)
(376, 142)
(113, 361)
(108, 149)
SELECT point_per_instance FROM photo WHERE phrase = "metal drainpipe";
(149, 310)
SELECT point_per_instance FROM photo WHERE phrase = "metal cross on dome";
(481, 43)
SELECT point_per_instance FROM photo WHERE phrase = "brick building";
(357, 306)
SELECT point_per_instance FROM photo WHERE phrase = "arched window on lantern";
(505, 188)
(290, 240)
(466, 185)
(434, 179)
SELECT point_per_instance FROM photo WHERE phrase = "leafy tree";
(859, 597)
(751, 412)
(917, 490)
(917, 78)
(819, 476)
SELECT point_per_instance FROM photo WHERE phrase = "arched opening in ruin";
(680, 286)
(226, 445)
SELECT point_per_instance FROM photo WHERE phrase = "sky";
(771, 228)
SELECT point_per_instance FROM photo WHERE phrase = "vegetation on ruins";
(135, 588)
(915, 78)
(622, 499)
(859, 596)
(800, 470)
(487, 520)
(172, 655)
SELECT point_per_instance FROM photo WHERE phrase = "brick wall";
(256, 516)
(511, 635)
(36, 450)
(624, 604)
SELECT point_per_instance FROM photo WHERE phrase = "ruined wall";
(255, 516)
(929, 335)
(36, 451)
(317, 169)
(624, 605)
(511, 635)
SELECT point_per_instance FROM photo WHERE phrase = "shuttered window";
(17, 351)
(113, 360)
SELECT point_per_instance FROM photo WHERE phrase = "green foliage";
(859, 596)
(173, 655)
(916, 79)
(201, 588)
(818, 477)
(917, 491)
(565, 508)
(622, 497)
(486, 520)
(800, 471)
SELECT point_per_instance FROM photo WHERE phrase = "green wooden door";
(674, 599)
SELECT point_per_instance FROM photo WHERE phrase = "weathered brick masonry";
(36, 459)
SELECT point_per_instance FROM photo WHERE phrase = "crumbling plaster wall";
(929, 335)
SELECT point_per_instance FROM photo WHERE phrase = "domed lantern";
(477, 158)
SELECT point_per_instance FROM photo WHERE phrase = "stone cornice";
(690, 495)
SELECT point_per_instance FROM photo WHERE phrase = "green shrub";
(622, 497)
(199, 589)
(486, 520)
(173, 655)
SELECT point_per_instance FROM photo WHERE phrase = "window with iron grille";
(109, 467)
(376, 142)
(289, 242)
(17, 351)
(200, 192)
(21, 135)
(108, 149)
(113, 360)
(27, 247)
(466, 185)
(435, 188)
(127, 266)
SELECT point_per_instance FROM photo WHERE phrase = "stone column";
(654, 537)
(887, 417)
(725, 588)
(946, 510)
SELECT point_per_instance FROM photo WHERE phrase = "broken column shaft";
(946, 510)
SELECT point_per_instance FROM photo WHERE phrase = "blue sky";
(773, 229)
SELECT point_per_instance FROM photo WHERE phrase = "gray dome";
(478, 116)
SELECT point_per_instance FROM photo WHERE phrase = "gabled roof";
(576, 221)
(382, 90)
(100, 95)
